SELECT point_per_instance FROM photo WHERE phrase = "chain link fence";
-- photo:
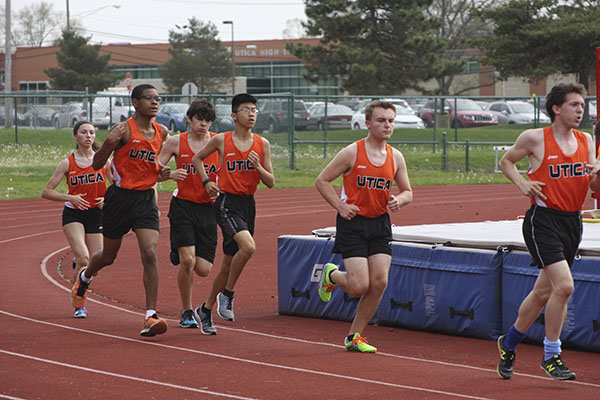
(305, 131)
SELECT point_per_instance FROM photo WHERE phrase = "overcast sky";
(149, 21)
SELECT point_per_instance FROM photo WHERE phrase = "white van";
(110, 108)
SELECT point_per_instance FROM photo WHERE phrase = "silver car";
(516, 112)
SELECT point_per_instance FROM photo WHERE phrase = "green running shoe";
(359, 343)
(325, 284)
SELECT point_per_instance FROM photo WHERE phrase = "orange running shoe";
(153, 326)
(79, 292)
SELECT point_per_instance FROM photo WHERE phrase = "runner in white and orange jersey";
(193, 229)
(130, 202)
(560, 157)
(363, 228)
(82, 214)
(245, 162)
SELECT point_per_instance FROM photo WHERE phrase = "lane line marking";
(231, 358)
(128, 377)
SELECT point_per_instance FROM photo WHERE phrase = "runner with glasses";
(130, 203)
(245, 162)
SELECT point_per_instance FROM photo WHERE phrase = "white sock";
(150, 313)
(84, 278)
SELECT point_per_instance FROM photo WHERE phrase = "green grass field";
(26, 167)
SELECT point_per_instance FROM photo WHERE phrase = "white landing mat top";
(487, 235)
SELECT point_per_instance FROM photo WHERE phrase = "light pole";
(86, 13)
(232, 58)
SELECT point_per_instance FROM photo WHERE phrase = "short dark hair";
(203, 109)
(378, 103)
(137, 91)
(241, 99)
(558, 95)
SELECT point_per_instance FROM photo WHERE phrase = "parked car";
(416, 103)
(273, 115)
(468, 113)
(224, 122)
(108, 109)
(516, 112)
(173, 116)
(69, 114)
(483, 104)
(593, 110)
(338, 117)
(405, 118)
(37, 115)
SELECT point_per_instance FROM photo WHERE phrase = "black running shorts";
(235, 213)
(193, 224)
(91, 219)
(126, 209)
(362, 236)
(552, 235)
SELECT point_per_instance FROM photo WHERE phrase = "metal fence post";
(325, 128)
(467, 156)
(455, 121)
(444, 152)
(16, 123)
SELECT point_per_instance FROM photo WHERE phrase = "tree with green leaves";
(80, 65)
(197, 56)
(374, 47)
(536, 38)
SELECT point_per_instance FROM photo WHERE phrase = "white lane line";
(128, 377)
(236, 359)
(43, 267)
(29, 236)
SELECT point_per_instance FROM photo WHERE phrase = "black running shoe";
(174, 257)
(555, 369)
(507, 359)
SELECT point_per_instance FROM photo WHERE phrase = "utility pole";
(68, 17)
(232, 58)
(7, 64)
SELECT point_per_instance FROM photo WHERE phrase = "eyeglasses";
(248, 110)
(150, 97)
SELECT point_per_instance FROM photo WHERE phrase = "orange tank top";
(368, 186)
(237, 175)
(191, 188)
(135, 165)
(565, 176)
(85, 180)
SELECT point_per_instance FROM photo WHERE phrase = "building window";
(33, 86)
(472, 67)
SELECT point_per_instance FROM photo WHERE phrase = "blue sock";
(551, 348)
(513, 338)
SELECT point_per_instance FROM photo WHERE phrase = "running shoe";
(174, 257)
(188, 320)
(153, 326)
(80, 312)
(325, 285)
(556, 369)
(225, 307)
(507, 358)
(206, 322)
(359, 343)
(79, 291)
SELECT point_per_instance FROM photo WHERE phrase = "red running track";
(45, 353)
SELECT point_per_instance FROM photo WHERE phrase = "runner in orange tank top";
(130, 203)
(82, 214)
(363, 227)
(560, 158)
(245, 161)
(193, 227)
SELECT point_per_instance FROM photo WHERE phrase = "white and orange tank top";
(135, 165)
(236, 174)
(369, 186)
(565, 176)
(191, 188)
(86, 181)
